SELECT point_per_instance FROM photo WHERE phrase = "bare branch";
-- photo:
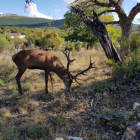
(135, 10)
(106, 12)
(112, 22)
(120, 2)
(102, 4)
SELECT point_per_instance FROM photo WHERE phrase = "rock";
(8, 102)
(95, 115)
(59, 139)
(127, 116)
(105, 94)
(122, 108)
(115, 116)
(132, 133)
(138, 115)
(74, 138)
(135, 105)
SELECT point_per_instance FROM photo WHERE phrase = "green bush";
(128, 67)
(110, 62)
(3, 42)
(69, 46)
(38, 131)
(135, 43)
(77, 45)
(59, 119)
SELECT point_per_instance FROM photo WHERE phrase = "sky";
(51, 9)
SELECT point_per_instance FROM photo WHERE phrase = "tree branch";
(102, 4)
(120, 2)
(106, 12)
(135, 10)
(112, 22)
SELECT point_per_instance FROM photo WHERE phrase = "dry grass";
(21, 114)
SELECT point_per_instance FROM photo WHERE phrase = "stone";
(59, 138)
(122, 108)
(132, 133)
(105, 94)
(74, 138)
(95, 115)
(138, 115)
(115, 116)
(135, 105)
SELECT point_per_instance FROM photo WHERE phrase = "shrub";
(69, 46)
(77, 45)
(135, 43)
(4, 112)
(3, 42)
(110, 62)
(59, 119)
(38, 131)
(128, 68)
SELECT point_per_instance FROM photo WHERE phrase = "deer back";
(38, 59)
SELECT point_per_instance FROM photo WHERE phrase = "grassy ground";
(37, 116)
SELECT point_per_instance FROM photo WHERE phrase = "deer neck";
(61, 72)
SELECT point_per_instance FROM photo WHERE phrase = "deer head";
(68, 79)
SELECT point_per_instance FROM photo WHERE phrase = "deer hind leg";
(51, 78)
(46, 79)
(18, 76)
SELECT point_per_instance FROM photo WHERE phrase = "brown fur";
(38, 59)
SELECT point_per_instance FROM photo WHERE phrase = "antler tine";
(67, 54)
(83, 72)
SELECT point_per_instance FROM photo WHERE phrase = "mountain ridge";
(14, 20)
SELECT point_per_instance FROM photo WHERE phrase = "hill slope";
(17, 21)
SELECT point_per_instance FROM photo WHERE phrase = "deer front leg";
(46, 79)
(18, 76)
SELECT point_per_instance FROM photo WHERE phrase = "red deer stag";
(47, 61)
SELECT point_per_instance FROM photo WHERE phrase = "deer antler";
(83, 72)
(69, 61)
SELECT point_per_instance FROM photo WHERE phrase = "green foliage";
(5, 73)
(115, 34)
(125, 43)
(20, 21)
(77, 45)
(38, 131)
(69, 46)
(59, 119)
(135, 43)
(101, 87)
(115, 125)
(75, 27)
(127, 67)
(51, 39)
(26, 86)
(18, 41)
(31, 38)
(8, 134)
(110, 62)
(3, 42)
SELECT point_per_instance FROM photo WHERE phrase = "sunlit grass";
(35, 107)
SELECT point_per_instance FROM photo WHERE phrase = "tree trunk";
(125, 40)
(87, 46)
(99, 29)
